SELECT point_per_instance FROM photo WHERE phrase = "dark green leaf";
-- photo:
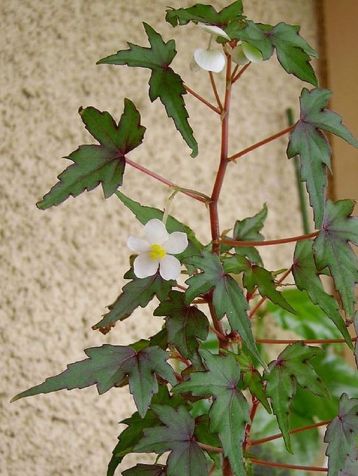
(228, 298)
(249, 229)
(307, 279)
(146, 470)
(229, 412)
(164, 83)
(293, 52)
(138, 292)
(308, 141)
(200, 13)
(258, 277)
(144, 214)
(291, 368)
(331, 248)
(186, 457)
(342, 438)
(95, 164)
(253, 380)
(185, 324)
(106, 367)
(136, 425)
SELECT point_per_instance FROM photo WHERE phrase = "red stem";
(213, 206)
(215, 91)
(197, 196)
(235, 243)
(201, 99)
(261, 143)
(280, 435)
(227, 468)
(240, 73)
(255, 404)
(271, 464)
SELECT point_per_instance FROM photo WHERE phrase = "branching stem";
(215, 91)
(271, 464)
(201, 99)
(261, 143)
(281, 241)
(201, 197)
(240, 73)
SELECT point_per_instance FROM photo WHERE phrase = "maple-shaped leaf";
(186, 456)
(229, 412)
(310, 144)
(331, 248)
(293, 51)
(200, 13)
(144, 214)
(291, 368)
(228, 298)
(249, 229)
(146, 470)
(307, 279)
(138, 292)
(164, 83)
(185, 324)
(106, 367)
(103, 163)
(258, 277)
(136, 426)
(342, 439)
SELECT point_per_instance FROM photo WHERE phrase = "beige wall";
(60, 268)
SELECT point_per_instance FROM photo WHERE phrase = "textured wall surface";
(60, 268)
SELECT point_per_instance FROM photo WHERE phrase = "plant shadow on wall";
(211, 390)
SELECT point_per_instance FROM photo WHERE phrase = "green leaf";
(293, 52)
(258, 277)
(342, 438)
(308, 141)
(146, 470)
(138, 292)
(229, 412)
(95, 164)
(144, 214)
(228, 298)
(310, 322)
(200, 13)
(136, 426)
(185, 324)
(307, 279)
(290, 369)
(186, 456)
(253, 380)
(331, 248)
(164, 83)
(249, 229)
(106, 367)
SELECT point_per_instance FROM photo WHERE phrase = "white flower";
(211, 59)
(156, 250)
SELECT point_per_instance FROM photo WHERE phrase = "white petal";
(238, 55)
(155, 231)
(138, 245)
(210, 60)
(176, 243)
(214, 30)
(169, 267)
(145, 266)
(251, 52)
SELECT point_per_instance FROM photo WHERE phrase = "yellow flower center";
(156, 252)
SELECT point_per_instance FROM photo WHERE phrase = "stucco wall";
(60, 268)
